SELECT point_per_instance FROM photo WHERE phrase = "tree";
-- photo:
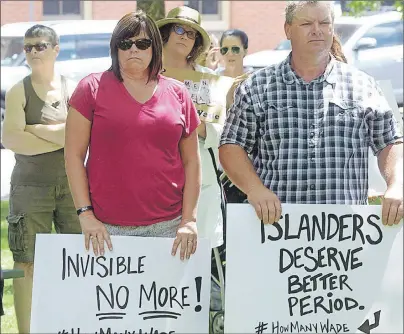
(356, 8)
(154, 8)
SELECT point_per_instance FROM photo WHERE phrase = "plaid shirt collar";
(289, 76)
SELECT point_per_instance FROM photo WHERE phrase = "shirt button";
(313, 159)
(311, 134)
(312, 187)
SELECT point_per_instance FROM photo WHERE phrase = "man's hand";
(266, 204)
(392, 208)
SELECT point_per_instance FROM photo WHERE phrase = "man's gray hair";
(293, 6)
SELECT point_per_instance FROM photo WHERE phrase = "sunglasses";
(234, 50)
(141, 44)
(181, 31)
(38, 46)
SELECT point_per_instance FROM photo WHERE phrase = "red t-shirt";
(134, 168)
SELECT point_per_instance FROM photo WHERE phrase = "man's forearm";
(390, 161)
(192, 189)
(238, 167)
(54, 133)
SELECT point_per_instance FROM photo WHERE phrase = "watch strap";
(84, 209)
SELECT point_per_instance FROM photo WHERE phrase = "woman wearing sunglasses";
(34, 129)
(184, 40)
(233, 49)
(143, 170)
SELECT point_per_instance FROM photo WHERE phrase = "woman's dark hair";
(237, 33)
(39, 30)
(131, 25)
(165, 32)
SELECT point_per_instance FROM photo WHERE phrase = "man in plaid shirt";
(307, 124)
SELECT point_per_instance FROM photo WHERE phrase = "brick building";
(261, 20)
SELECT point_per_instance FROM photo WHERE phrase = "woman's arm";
(187, 231)
(201, 129)
(14, 136)
(192, 164)
(54, 133)
(78, 130)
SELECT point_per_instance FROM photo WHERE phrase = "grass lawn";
(8, 321)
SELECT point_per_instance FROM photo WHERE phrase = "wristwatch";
(84, 209)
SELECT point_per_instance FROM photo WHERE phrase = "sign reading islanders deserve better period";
(137, 288)
(321, 269)
(208, 92)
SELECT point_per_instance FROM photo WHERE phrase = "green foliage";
(8, 321)
(154, 8)
(358, 7)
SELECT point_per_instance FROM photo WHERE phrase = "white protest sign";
(139, 287)
(322, 269)
(377, 184)
(208, 92)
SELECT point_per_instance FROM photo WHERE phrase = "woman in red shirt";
(143, 173)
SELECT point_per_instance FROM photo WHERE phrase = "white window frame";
(216, 22)
(65, 16)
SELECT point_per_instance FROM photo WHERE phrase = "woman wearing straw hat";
(183, 42)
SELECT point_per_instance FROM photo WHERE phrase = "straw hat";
(186, 16)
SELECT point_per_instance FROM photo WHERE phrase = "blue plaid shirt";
(308, 142)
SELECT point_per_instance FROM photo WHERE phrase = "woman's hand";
(95, 231)
(186, 236)
(212, 58)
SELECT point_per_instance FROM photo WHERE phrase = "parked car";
(84, 48)
(372, 43)
(81, 42)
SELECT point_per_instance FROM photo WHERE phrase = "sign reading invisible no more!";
(322, 269)
(208, 92)
(139, 287)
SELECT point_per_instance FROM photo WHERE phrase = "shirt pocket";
(280, 125)
(346, 120)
